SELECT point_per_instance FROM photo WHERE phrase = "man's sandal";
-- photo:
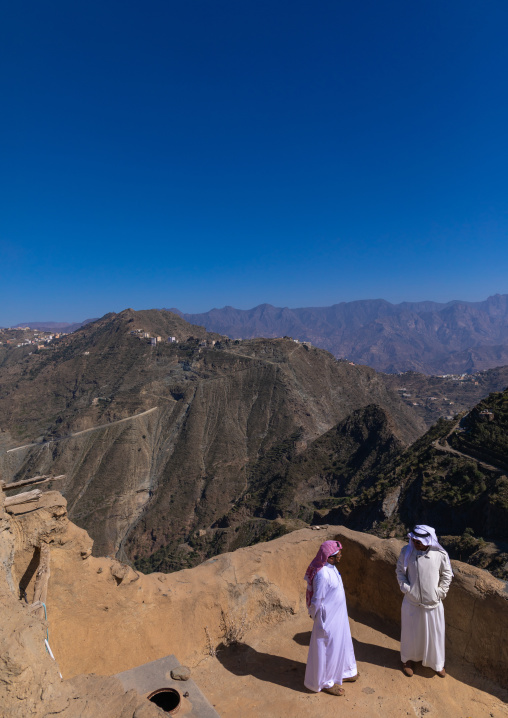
(334, 690)
(408, 668)
(352, 679)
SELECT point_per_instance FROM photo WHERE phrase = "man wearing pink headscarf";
(331, 658)
(424, 574)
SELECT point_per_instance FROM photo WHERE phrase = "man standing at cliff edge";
(424, 574)
(331, 660)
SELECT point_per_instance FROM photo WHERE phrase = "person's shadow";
(303, 639)
(377, 655)
(364, 652)
(243, 660)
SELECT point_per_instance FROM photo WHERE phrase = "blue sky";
(197, 154)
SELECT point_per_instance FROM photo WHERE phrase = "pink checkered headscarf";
(327, 549)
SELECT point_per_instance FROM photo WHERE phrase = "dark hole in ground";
(166, 698)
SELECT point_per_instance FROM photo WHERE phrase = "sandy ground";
(263, 676)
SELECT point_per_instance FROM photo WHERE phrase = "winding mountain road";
(83, 431)
(446, 448)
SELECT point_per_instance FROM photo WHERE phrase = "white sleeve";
(402, 577)
(445, 577)
(319, 585)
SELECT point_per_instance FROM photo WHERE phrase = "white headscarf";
(427, 536)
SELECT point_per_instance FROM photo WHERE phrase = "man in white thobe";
(331, 658)
(424, 574)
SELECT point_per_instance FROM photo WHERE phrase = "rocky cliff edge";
(104, 617)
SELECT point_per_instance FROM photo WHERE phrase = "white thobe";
(331, 654)
(424, 584)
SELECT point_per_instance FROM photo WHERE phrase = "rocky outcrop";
(30, 682)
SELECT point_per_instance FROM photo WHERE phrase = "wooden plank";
(36, 480)
(24, 498)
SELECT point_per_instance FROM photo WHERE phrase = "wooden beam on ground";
(36, 480)
(24, 498)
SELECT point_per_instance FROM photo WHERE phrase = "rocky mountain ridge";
(454, 478)
(427, 337)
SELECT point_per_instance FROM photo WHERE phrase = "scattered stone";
(85, 554)
(182, 673)
(122, 573)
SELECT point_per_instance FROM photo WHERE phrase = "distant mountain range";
(66, 327)
(427, 337)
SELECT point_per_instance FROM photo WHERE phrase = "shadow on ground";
(243, 660)
(392, 630)
(377, 655)
(364, 652)
(390, 658)
(303, 639)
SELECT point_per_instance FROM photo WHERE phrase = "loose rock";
(182, 673)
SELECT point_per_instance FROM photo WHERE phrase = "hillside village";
(11, 337)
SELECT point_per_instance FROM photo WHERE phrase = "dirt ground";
(263, 676)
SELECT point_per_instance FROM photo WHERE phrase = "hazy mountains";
(428, 337)
(66, 327)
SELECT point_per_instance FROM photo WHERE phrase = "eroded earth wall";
(105, 617)
(30, 683)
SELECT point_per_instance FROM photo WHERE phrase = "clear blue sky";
(208, 152)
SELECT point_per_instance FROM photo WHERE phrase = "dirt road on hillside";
(84, 431)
